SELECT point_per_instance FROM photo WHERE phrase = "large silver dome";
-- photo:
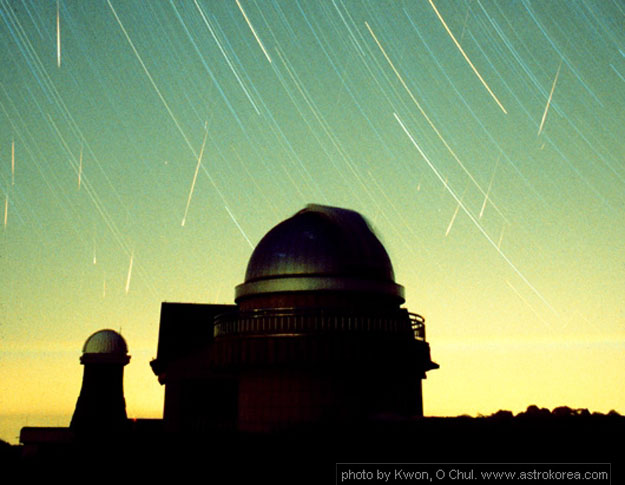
(320, 248)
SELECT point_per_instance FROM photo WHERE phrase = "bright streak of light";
(490, 184)
(483, 206)
(254, 32)
(197, 169)
(451, 223)
(553, 87)
(236, 223)
(162, 98)
(427, 118)
(503, 228)
(466, 58)
(475, 222)
(12, 162)
(58, 35)
(80, 169)
(132, 256)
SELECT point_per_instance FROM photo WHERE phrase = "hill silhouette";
(537, 435)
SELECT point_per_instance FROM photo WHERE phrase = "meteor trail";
(451, 223)
(197, 168)
(132, 255)
(162, 98)
(475, 222)
(466, 58)
(553, 87)
(254, 32)
(501, 236)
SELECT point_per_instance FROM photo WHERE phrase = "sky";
(146, 148)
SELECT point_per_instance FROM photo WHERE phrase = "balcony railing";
(291, 321)
(417, 322)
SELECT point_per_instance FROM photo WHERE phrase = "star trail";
(484, 140)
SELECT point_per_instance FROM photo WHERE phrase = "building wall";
(275, 399)
(101, 404)
(283, 371)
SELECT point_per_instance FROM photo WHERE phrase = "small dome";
(320, 248)
(105, 342)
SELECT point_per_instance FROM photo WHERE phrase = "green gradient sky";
(538, 321)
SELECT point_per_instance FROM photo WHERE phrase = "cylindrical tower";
(101, 407)
(320, 334)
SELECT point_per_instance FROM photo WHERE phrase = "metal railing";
(417, 322)
(308, 321)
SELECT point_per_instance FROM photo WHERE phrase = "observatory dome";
(105, 342)
(320, 248)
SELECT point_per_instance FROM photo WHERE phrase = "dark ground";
(311, 455)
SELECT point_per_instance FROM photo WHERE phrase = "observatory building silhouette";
(317, 335)
(101, 407)
(316, 340)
